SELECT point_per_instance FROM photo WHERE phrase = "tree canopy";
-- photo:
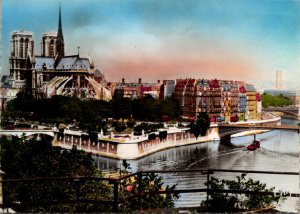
(270, 100)
(30, 159)
(61, 189)
(201, 125)
(220, 202)
(40, 159)
(90, 114)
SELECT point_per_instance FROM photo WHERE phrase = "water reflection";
(279, 152)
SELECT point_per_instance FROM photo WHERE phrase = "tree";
(63, 109)
(130, 123)
(233, 202)
(270, 100)
(150, 183)
(119, 127)
(162, 135)
(203, 122)
(121, 108)
(23, 159)
(201, 125)
(139, 128)
(152, 136)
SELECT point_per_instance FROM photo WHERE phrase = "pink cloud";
(152, 68)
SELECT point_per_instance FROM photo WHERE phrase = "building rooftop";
(51, 33)
(44, 63)
(22, 32)
(66, 63)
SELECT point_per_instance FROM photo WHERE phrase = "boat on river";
(253, 146)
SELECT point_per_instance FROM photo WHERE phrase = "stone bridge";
(226, 130)
(291, 110)
(28, 132)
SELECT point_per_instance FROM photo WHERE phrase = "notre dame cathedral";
(53, 73)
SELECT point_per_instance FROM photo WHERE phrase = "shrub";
(233, 202)
(150, 183)
(119, 127)
(151, 136)
(163, 135)
(130, 123)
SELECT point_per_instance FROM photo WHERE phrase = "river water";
(279, 152)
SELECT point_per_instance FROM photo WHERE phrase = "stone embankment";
(129, 146)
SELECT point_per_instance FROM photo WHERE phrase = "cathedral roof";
(73, 63)
(44, 63)
(65, 63)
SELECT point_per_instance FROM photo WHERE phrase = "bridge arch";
(226, 130)
(26, 133)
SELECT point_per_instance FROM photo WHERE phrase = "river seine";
(279, 152)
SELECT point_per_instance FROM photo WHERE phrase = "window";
(21, 48)
(51, 48)
(26, 46)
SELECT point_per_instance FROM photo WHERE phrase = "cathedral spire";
(60, 38)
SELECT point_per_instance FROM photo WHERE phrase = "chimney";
(140, 80)
(123, 80)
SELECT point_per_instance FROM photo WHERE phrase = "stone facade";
(53, 73)
(222, 100)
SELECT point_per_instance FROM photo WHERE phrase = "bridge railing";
(110, 194)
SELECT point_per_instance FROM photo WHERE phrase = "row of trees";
(89, 113)
(270, 100)
(92, 115)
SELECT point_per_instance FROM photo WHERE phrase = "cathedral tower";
(60, 46)
(21, 47)
(48, 44)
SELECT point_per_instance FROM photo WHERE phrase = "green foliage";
(21, 159)
(280, 100)
(60, 109)
(163, 135)
(130, 123)
(233, 202)
(152, 136)
(121, 108)
(201, 125)
(154, 109)
(150, 184)
(90, 114)
(93, 137)
(152, 127)
(119, 127)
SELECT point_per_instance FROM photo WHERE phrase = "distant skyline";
(170, 39)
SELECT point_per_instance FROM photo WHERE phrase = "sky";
(245, 40)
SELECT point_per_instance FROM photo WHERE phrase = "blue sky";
(168, 39)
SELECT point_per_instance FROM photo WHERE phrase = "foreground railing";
(109, 192)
